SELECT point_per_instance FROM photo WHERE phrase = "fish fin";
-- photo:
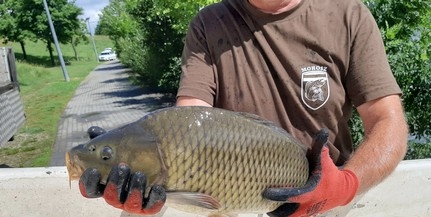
(270, 124)
(258, 119)
(194, 198)
(265, 122)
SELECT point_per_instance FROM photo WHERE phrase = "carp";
(229, 157)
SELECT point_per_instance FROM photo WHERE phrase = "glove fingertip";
(158, 192)
(322, 136)
(89, 183)
(155, 200)
(278, 194)
(119, 173)
(116, 186)
(319, 142)
(284, 210)
(135, 199)
(290, 194)
(138, 181)
(156, 195)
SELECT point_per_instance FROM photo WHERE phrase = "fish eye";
(91, 148)
(106, 153)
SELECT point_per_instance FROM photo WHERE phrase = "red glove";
(124, 190)
(326, 188)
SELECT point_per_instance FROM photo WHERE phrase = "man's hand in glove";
(327, 187)
(124, 190)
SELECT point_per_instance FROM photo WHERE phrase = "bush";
(412, 69)
(404, 25)
(418, 151)
(154, 50)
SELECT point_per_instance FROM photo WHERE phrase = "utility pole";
(54, 35)
(92, 37)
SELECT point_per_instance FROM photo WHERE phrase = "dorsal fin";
(267, 123)
(258, 119)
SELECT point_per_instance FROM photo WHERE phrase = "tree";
(102, 28)
(32, 17)
(406, 30)
(146, 30)
(181, 11)
(9, 29)
(405, 27)
(78, 37)
(116, 21)
(160, 39)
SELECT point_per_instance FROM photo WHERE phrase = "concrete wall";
(35, 192)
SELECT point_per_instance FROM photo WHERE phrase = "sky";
(92, 9)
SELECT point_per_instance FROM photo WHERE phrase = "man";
(302, 64)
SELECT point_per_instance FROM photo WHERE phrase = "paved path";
(107, 99)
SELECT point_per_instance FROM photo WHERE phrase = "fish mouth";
(73, 168)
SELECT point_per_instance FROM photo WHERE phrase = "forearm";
(190, 101)
(378, 155)
(384, 146)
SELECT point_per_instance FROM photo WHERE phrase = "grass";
(45, 94)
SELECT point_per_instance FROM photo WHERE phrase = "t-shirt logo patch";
(314, 86)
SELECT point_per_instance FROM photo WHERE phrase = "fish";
(211, 161)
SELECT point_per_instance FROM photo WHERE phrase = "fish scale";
(223, 159)
(222, 153)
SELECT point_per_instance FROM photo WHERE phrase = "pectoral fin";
(194, 199)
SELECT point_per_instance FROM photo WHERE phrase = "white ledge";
(45, 192)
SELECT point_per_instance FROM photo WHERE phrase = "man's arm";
(328, 186)
(385, 142)
(190, 101)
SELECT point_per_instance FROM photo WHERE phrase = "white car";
(107, 55)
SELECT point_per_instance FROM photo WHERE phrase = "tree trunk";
(51, 55)
(74, 50)
(24, 53)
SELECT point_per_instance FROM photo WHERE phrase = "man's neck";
(274, 6)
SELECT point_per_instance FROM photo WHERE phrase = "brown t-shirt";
(303, 69)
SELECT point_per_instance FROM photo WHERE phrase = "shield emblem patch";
(315, 89)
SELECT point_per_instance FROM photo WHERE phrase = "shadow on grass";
(45, 61)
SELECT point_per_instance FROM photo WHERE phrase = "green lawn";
(45, 94)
